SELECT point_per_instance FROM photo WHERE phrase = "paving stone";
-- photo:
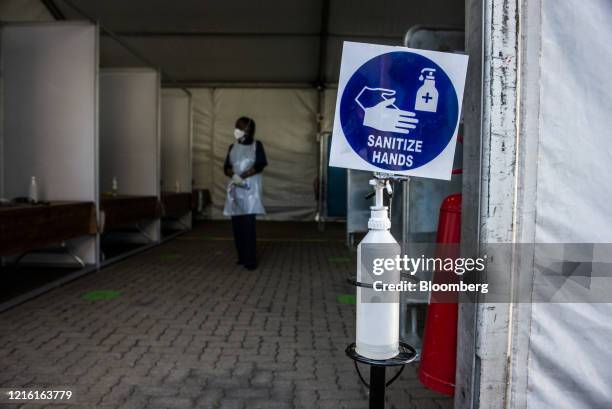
(422, 403)
(232, 404)
(135, 401)
(156, 391)
(170, 403)
(262, 378)
(446, 403)
(267, 404)
(247, 394)
(210, 398)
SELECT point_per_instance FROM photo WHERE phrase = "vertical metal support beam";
(490, 189)
(466, 384)
(320, 87)
(55, 11)
(323, 31)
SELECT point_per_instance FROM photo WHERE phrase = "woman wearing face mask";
(244, 163)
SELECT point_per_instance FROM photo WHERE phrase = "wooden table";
(25, 227)
(176, 205)
(122, 210)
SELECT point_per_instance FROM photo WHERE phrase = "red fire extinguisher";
(439, 353)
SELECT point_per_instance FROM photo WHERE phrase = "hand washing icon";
(381, 113)
(385, 115)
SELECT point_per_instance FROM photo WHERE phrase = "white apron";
(243, 200)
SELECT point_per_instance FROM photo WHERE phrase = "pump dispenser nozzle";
(428, 72)
(379, 219)
(379, 185)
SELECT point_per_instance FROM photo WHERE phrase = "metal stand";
(378, 369)
(407, 353)
(63, 248)
(377, 386)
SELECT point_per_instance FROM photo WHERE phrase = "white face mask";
(238, 133)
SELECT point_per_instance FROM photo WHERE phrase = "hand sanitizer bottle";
(33, 192)
(114, 186)
(377, 322)
(427, 94)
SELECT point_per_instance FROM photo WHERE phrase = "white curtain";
(286, 125)
(569, 352)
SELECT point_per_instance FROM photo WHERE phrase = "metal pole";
(377, 387)
(405, 215)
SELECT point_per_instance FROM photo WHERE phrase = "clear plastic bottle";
(33, 191)
(114, 186)
(377, 323)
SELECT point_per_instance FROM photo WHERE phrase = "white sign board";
(398, 110)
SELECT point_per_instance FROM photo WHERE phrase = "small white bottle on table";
(114, 186)
(33, 191)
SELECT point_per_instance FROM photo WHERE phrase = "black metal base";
(378, 381)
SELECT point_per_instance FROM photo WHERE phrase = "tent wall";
(130, 109)
(536, 163)
(130, 130)
(49, 99)
(202, 138)
(287, 127)
(24, 10)
(574, 164)
(176, 141)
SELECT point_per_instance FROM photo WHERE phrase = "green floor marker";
(169, 256)
(101, 295)
(337, 259)
(346, 299)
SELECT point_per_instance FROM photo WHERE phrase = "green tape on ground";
(101, 295)
(337, 259)
(169, 256)
(346, 299)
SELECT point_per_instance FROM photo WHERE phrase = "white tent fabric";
(176, 126)
(24, 10)
(569, 352)
(202, 105)
(287, 127)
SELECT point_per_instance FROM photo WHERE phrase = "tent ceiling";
(246, 41)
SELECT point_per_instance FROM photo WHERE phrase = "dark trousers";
(244, 238)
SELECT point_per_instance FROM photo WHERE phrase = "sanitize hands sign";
(397, 110)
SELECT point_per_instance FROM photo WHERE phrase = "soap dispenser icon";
(427, 94)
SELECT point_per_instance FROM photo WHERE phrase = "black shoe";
(250, 267)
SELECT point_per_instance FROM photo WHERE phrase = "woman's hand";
(248, 173)
(237, 180)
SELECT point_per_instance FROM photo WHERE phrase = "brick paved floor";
(193, 330)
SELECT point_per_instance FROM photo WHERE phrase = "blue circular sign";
(399, 111)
